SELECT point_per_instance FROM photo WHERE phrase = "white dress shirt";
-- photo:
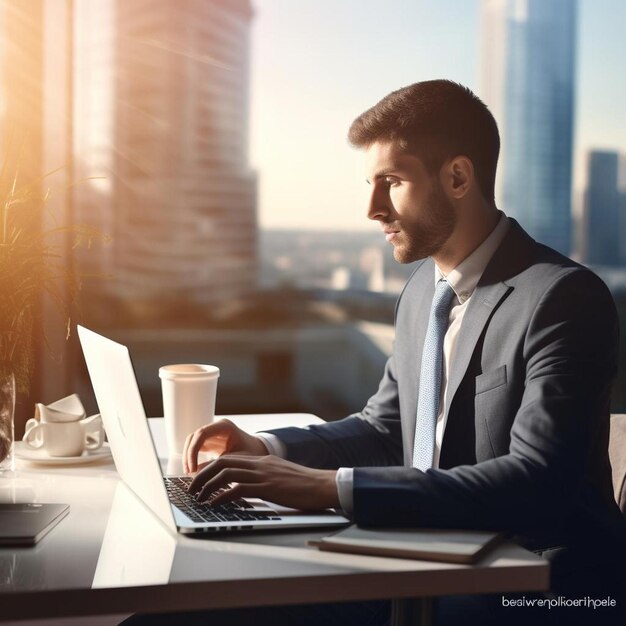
(463, 280)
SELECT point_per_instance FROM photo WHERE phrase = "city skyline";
(306, 89)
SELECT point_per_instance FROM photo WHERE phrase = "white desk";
(111, 555)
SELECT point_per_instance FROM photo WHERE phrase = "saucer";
(41, 457)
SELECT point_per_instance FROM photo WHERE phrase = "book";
(453, 546)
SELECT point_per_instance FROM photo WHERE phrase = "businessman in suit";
(493, 410)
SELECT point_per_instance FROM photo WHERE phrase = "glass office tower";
(602, 200)
(162, 92)
(527, 80)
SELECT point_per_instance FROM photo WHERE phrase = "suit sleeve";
(371, 437)
(570, 353)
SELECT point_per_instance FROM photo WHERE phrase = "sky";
(317, 64)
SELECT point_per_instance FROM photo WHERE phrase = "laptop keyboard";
(236, 511)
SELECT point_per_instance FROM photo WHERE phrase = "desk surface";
(111, 555)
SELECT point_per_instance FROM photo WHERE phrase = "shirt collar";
(465, 276)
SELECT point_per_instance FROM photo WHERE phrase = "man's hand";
(267, 477)
(220, 437)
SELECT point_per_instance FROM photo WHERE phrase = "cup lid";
(189, 370)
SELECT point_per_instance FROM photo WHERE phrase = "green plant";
(33, 263)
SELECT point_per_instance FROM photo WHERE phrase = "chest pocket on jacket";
(492, 428)
(491, 380)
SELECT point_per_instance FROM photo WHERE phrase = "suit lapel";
(419, 301)
(422, 297)
(422, 316)
(512, 257)
(483, 302)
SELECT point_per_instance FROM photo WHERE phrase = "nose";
(378, 208)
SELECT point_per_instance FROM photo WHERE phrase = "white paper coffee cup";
(189, 393)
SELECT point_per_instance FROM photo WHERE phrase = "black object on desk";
(25, 524)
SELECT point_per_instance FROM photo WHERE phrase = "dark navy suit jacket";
(525, 443)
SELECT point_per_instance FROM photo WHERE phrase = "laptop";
(115, 386)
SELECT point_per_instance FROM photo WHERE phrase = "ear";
(458, 176)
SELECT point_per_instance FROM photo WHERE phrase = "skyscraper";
(169, 125)
(527, 80)
(602, 208)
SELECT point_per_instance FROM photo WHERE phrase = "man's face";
(410, 205)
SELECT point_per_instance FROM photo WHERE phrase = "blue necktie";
(430, 377)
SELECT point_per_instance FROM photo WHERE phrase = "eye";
(391, 181)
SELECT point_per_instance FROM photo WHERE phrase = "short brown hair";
(435, 120)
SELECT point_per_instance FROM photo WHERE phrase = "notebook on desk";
(123, 415)
(452, 546)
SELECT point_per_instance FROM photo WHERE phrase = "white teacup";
(65, 438)
(69, 409)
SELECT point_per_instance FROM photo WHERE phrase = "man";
(493, 409)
